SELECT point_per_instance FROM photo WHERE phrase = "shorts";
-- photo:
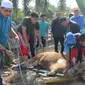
(75, 53)
(23, 49)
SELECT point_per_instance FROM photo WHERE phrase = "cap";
(6, 4)
(70, 38)
(62, 19)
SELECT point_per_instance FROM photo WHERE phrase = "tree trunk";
(37, 6)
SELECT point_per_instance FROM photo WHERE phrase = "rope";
(20, 68)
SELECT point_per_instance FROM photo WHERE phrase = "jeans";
(43, 40)
(32, 43)
(1, 66)
(61, 40)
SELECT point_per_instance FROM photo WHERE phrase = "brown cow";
(49, 60)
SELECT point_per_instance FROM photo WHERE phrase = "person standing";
(29, 26)
(79, 19)
(5, 28)
(44, 26)
(58, 32)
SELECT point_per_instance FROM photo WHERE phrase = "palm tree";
(0, 2)
(15, 7)
(62, 5)
(45, 5)
(41, 6)
(26, 5)
(38, 6)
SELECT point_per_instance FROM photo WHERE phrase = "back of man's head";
(82, 37)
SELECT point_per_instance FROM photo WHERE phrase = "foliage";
(62, 5)
(26, 5)
(0, 2)
(41, 6)
(19, 17)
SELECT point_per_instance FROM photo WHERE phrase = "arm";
(38, 31)
(25, 35)
(48, 27)
(67, 53)
(52, 26)
(9, 53)
(15, 34)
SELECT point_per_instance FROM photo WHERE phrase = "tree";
(41, 6)
(15, 8)
(26, 5)
(62, 5)
(45, 5)
(0, 2)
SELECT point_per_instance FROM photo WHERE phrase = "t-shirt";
(29, 26)
(75, 44)
(5, 27)
(44, 26)
(74, 27)
(58, 30)
(79, 20)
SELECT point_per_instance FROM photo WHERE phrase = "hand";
(27, 45)
(17, 37)
(37, 45)
(83, 63)
(9, 53)
(47, 37)
(67, 66)
(1, 47)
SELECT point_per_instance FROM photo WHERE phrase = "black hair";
(70, 15)
(28, 12)
(42, 15)
(62, 19)
(34, 14)
(81, 37)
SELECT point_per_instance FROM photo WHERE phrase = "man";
(70, 25)
(79, 19)
(74, 44)
(5, 27)
(44, 26)
(58, 32)
(29, 26)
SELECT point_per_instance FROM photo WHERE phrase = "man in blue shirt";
(5, 28)
(79, 19)
(44, 26)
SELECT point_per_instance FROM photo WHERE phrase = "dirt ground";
(76, 81)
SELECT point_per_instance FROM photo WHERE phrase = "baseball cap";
(70, 38)
(6, 4)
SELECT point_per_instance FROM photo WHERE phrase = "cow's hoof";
(51, 73)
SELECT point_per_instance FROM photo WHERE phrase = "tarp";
(81, 4)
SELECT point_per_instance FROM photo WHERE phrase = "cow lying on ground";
(49, 61)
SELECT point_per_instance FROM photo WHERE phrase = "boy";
(44, 26)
